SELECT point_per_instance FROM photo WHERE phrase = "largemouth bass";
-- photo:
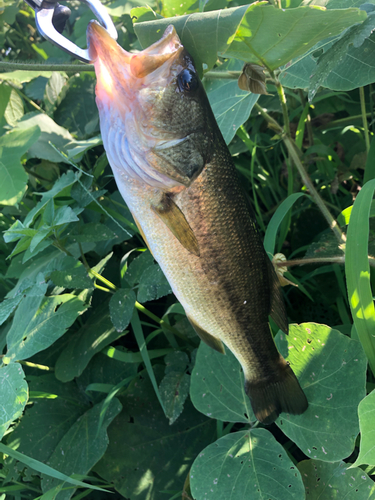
(176, 175)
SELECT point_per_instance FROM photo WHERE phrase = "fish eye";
(187, 81)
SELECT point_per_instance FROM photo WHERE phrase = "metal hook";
(44, 12)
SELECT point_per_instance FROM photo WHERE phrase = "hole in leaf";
(309, 341)
(24, 338)
(314, 448)
(317, 53)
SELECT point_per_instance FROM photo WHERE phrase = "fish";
(177, 177)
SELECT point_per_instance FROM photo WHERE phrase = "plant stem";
(282, 98)
(364, 117)
(68, 68)
(161, 322)
(224, 75)
(308, 119)
(295, 153)
(35, 365)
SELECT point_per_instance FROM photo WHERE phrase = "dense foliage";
(103, 383)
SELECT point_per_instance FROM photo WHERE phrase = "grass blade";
(45, 469)
(277, 218)
(357, 271)
(138, 333)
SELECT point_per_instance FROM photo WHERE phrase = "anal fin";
(176, 222)
(207, 338)
(277, 307)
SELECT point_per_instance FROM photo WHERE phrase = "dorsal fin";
(175, 220)
(277, 306)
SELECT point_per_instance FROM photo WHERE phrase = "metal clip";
(44, 18)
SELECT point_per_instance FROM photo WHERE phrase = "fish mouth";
(103, 47)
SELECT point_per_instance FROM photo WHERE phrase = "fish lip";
(102, 46)
(98, 40)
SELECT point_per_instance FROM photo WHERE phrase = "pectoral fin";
(277, 307)
(176, 222)
(209, 339)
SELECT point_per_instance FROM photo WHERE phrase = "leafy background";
(105, 389)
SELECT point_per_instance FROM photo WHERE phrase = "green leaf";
(5, 91)
(202, 44)
(91, 338)
(20, 76)
(331, 369)
(13, 145)
(173, 8)
(91, 232)
(81, 447)
(63, 182)
(51, 416)
(246, 464)
(14, 110)
(357, 271)
(366, 412)
(153, 455)
(13, 395)
(272, 37)
(217, 386)
(333, 57)
(53, 88)
(76, 277)
(35, 328)
(174, 387)
(137, 267)
(121, 307)
(50, 132)
(78, 112)
(35, 88)
(324, 481)
(277, 218)
(7, 307)
(231, 106)
(153, 284)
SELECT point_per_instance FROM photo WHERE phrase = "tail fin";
(272, 395)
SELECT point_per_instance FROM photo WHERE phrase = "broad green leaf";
(53, 88)
(246, 464)
(35, 88)
(153, 284)
(13, 145)
(366, 412)
(50, 132)
(357, 271)
(333, 57)
(13, 395)
(76, 277)
(34, 329)
(28, 290)
(91, 338)
(272, 37)
(5, 91)
(7, 306)
(202, 44)
(331, 369)
(121, 307)
(137, 267)
(91, 232)
(51, 416)
(81, 447)
(231, 106)
(153, 455)
(324, 481)
(173, 8)
(21, 76)
(78, 112)
(14, 110)
(66, 180)
(174, 388)
(217, 386)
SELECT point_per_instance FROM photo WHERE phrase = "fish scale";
(179, 181)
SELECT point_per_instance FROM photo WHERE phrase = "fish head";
(152, 108)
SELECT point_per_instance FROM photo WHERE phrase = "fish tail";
(280, 392)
